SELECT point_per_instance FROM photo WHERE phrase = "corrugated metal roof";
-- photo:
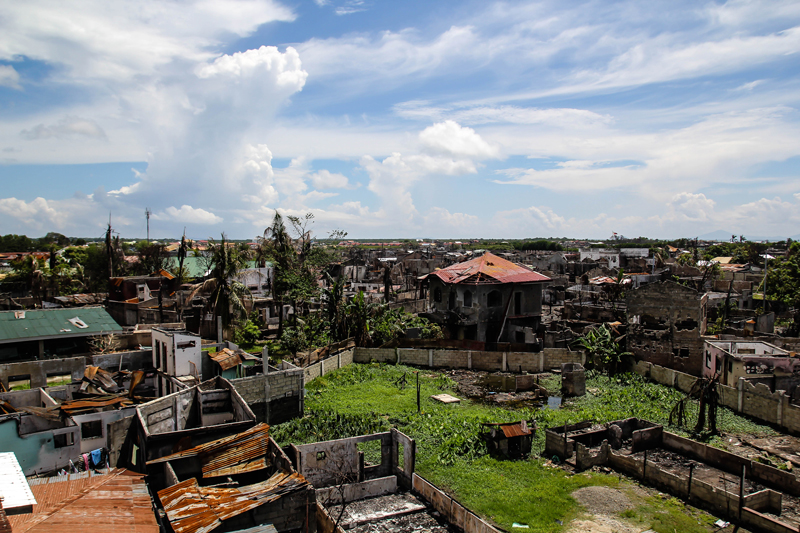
(513, 429)
(237, 454)
(195, 509)
(488, 269)
(55, 323)
(118, 501)
(226, 358)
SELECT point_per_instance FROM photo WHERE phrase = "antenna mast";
(147, 214)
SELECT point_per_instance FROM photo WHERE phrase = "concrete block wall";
(754, 400)
(39, 370)
(471, 359)
(266, 394)
(332, 363)
(453, 511)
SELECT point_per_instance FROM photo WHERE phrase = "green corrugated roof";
(54, 323)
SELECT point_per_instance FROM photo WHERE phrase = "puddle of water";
(498, 383)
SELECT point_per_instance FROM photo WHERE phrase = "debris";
(721, 524)
(445, 398)
(522, 526)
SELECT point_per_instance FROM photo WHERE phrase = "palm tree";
(227, 295)
(278, 246)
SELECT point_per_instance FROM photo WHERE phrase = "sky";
(412, 119)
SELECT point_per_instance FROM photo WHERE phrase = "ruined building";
(665, 324)
(487, 299)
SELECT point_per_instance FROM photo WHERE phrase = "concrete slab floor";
(393, 512)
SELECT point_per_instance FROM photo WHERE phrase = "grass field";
(361, 399)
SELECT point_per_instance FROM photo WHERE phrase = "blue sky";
(401, 119)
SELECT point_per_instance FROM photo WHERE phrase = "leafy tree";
(226, 295)
(153, 257)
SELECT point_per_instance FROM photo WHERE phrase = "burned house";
(487, 299)
(756, 361)
(143, 299)
(665, 324)
(512, 439)
(49, 428)
(191, 416)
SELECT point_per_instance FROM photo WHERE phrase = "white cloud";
(124, 39)
(285, 67)
(325, 179)
(66, 128)
(694, 207)
(9, 77)
(749, 86)
(452, 139)
(188, 215)
(484, 114)
(35, 212)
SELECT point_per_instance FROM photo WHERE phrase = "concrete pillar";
(739, 405)
(781, 399)
(266, 398)
(430, 358)
(505, 362)
(541, 361)
(397, 353)
(469, 359)
(41, 349)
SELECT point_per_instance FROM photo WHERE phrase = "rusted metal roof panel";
(118, 501)
(488, 269)
(226, 358)
(237, 454)
(191, 508)
(513, 429)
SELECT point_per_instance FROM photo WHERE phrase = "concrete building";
(755, 361)
(665, 324)
(176, 354)
(487, 299)
(47, 333)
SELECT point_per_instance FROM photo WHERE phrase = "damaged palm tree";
(603, 350)
(706, 391)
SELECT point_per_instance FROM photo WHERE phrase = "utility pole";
(147, 215)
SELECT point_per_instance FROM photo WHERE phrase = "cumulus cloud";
(9, 77)
(452, 139)
(66, 128)
(694, 207)
(188, 215)
(35, 211)
(325, 179)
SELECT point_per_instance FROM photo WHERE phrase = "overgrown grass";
(362, 399)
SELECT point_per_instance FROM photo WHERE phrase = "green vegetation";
(360, 399)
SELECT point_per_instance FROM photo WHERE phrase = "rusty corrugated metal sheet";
(226, 358)
(488, 269)
(513, 429)
(118, 501)
(191, 508)
(237, 454)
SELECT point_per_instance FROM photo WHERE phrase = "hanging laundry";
(97, 457)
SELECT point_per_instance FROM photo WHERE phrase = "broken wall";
(39, 371)
(275, 397)
(665, 323)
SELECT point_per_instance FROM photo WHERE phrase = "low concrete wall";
(335, 361)
(753, 400)
(40, 370)
(450, 509)
(543, 361)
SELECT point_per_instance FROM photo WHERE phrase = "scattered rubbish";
(445, 398)
(559, 522)
(522, 526)
(721, 523)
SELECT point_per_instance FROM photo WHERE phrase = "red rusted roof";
(118, 501)
(226, 358)
(195, 509)
(513, 429)
(237, 454)
(488, 269)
